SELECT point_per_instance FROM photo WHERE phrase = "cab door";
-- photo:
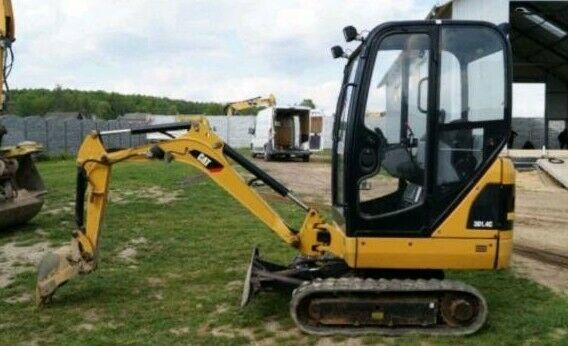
(389, 163)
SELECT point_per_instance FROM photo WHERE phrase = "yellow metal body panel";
(7, 34)
(7, 22)
(452, 245)
(425, 253)
(505, 249)
(455, 225)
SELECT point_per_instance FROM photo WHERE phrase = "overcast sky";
(197, 50)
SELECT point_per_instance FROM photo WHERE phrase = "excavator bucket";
(21, 186)
(58, 267)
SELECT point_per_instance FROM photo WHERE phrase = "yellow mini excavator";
(417, 191)
(21, 187)
(238, 106)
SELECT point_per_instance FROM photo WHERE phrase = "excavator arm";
(7, 36)
(238, 106)
(200, 148)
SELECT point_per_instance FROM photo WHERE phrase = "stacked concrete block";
(64, 136)
(16, 130)
(238, 131)
(74, 135)
(56, 135)
(35, 129)
(220, 125)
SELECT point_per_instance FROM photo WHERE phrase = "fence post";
(65, 147)
(46, 135)
(228, 121)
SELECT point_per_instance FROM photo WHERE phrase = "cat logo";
(208, 162)
(204, 159)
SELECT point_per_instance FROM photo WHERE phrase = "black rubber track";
(359, 285)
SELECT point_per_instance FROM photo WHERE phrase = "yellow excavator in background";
(238, 106)
(21, 186)
(415, 192)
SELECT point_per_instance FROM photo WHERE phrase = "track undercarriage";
(329, 298)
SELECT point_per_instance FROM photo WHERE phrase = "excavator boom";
(238, 106)
(200, 148)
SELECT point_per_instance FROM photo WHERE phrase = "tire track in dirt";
(543, 256)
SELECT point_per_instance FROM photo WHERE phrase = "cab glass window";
(396, 112)
(472, 103)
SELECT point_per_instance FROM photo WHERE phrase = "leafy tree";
(26, 102)
(308, 103)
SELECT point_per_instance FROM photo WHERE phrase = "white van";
(281, 132)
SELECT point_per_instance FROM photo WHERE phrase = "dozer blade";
(250, 287)
(267, 276)
(58, 267)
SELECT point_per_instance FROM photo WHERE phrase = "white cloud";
(198, 50)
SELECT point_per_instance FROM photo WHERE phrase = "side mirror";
(337, 52)
(251, 130)
(350, 33)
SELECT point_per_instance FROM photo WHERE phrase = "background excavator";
(239, 106)
(417, 191)
(21, 186)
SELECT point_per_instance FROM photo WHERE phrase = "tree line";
(105, 105)
(109, 105)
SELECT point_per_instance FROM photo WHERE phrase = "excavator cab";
(424, 110)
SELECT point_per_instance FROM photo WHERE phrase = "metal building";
(539, 38)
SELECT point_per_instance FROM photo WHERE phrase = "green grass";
(184, 286)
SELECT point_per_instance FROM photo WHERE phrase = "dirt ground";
(541, 224)
(312, 181)
(18, 258)
(541, 216)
